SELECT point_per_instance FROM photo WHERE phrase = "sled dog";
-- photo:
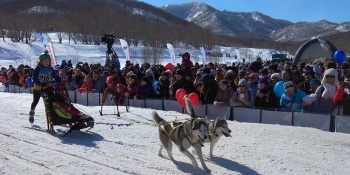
(217, 127)
(184, 135)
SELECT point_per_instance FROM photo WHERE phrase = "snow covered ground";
(252, 149)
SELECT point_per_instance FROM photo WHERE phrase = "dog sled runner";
(60, 111)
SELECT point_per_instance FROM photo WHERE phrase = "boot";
(31, 116)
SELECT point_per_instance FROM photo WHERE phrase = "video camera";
(109, 40)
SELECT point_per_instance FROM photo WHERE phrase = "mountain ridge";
(253, 24)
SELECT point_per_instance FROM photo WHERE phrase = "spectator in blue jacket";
(97, 82)
(253, 82)
(292, 99)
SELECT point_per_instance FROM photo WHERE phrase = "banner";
(44, 39)
(52, 54)
(238, 54)
(47, 43)
(172, 53)
(126, 49)
(203, 55)
(223, 51)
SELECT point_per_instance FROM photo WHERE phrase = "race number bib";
(44, 75)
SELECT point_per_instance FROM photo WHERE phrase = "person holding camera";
(243, 97)
(342, 95)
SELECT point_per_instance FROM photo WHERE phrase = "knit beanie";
(133, 76)
(317, 69)
(315, 82)
(277, 75)
(264, 79)
(149, 71)
(288, 85)
(229, 73)
(254, 75)
(180, 72)
(205, 78)
(243, 82)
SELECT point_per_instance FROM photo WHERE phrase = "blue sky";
(293, 10)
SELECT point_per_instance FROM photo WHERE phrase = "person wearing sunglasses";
(292, 99)
(326, 92)
(342, 95)
(253, 82)
(243, 97)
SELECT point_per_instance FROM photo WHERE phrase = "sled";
(60, 111)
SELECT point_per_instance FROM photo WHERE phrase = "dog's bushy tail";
(156, 118)
(189, 108)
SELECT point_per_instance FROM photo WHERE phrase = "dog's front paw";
(175, 163)
(160, 155)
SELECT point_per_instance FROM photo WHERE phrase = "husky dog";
(190, 133)
(217, 127)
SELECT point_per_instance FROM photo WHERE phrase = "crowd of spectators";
(308, 87)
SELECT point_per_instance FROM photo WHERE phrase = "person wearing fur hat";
(133, 86)
(181, 82)
(265, 97)
(243, 97)
(186, 59)
(224, 94)
(292, 98)
(326, 92)
(208, 90)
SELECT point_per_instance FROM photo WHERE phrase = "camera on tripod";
(109, 40)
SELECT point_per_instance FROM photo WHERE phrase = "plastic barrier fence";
(250, 115)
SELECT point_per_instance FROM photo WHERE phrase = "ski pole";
(101, 110)
(118, 111)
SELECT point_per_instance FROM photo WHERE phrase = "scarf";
(329, 90)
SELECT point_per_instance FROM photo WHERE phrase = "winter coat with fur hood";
(326, 92)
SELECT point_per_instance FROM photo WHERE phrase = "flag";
(126, 49)
(203, 55)
(238, 55)
(52, 54)
(44, 39)
(47, 43)
(223, 51)
(172, 53)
